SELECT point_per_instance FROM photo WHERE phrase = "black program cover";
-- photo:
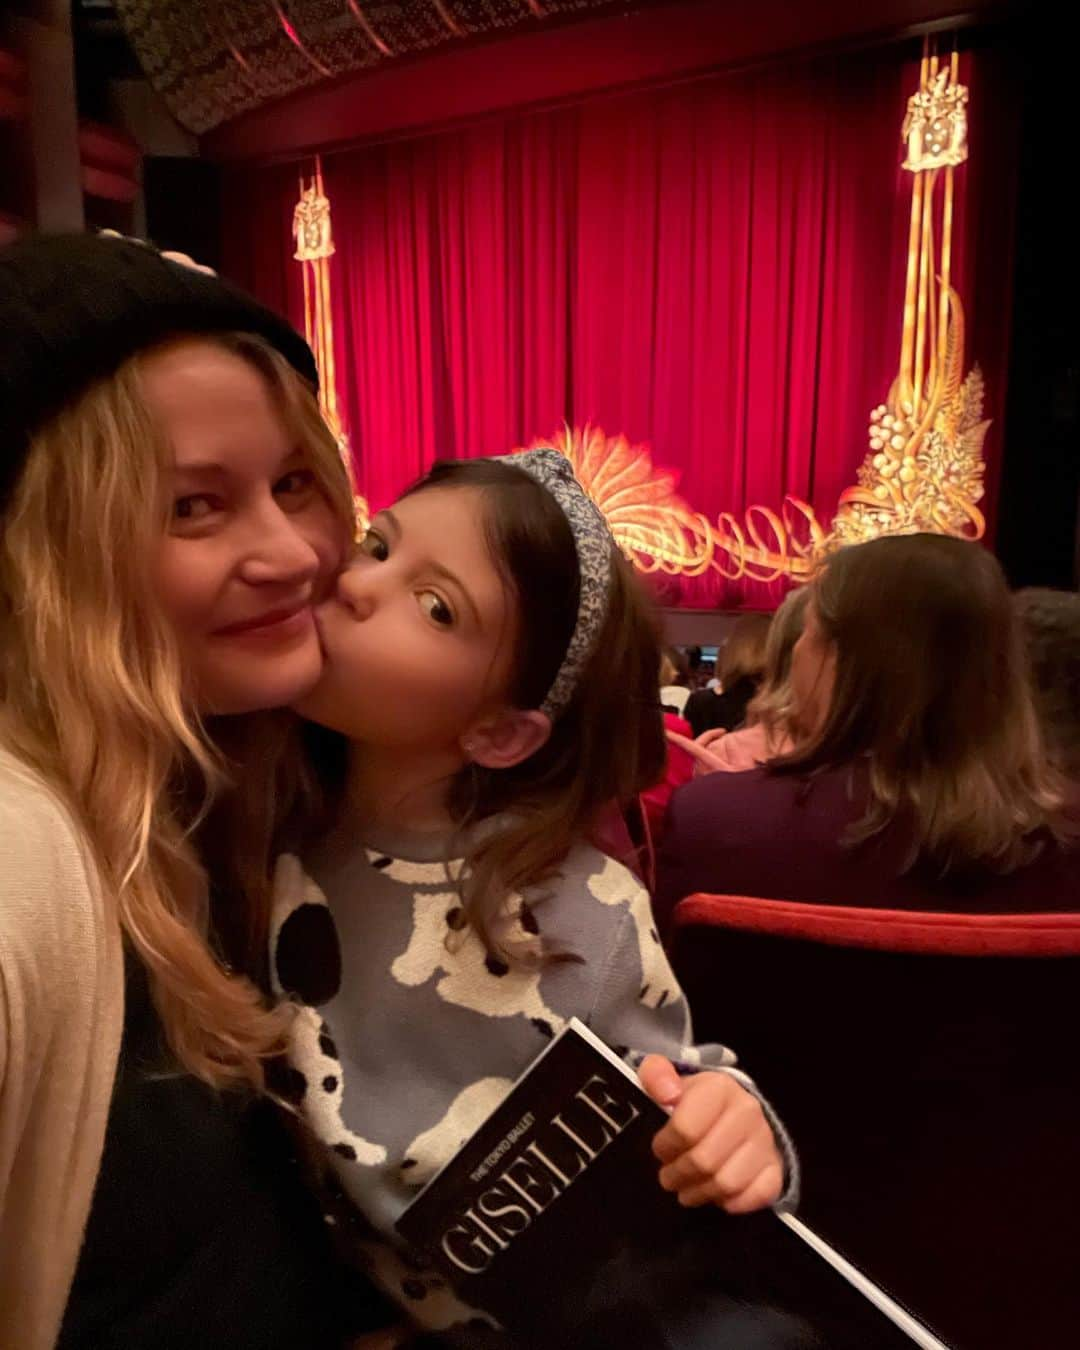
(552, 1219)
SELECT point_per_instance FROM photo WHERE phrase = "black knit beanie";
(73, 308)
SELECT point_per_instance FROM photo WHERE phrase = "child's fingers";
(705, 1098)
(766, 1188)
(708, 738)
(738, 1126)
(763, 1190)
(658, 1077)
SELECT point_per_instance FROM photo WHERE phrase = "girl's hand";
(717, 1148)
(704, 759)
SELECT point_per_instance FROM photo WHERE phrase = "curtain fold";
(714, 268)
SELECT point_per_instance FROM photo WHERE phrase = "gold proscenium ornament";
(924, 470)
(311, 229)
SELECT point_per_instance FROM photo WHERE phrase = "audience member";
(1051, 624)
(769, 729)
(739, 669)
(674, 681)
(921, 779)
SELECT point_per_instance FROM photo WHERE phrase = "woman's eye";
(373, 545)
(195, 507)
(436, 608)
(295, 483)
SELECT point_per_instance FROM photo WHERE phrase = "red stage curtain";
(714, 268)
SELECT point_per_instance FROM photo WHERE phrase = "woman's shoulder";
(33, 819)
(739, 793)
(47, 886)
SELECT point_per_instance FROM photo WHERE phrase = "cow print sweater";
(409, 1034)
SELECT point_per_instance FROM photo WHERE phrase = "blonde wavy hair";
(93, 698)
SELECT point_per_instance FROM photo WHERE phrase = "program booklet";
(551, 1219)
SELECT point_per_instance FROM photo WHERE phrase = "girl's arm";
(724, 1143)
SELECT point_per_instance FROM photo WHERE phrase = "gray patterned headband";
(594, 545)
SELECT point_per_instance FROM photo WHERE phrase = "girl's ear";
(506, 738)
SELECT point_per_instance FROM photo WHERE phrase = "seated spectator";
(1051, 624)
(674, 681)
(921, 781)
(769, 729)
(739, 669)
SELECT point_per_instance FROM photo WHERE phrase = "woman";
(172, 506)
(770, 726)
(921, 782)
(739, 669)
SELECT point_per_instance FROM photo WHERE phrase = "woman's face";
(813, 674)
(251, 543)
(418, 633)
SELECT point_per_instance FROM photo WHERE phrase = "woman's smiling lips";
(272, 624)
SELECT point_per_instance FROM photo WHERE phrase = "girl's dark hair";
(931, 691)
(606, 747)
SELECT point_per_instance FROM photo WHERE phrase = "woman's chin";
(279, 682)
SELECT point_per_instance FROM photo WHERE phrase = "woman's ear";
(506, 738)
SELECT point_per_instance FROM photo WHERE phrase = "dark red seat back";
(926, 1066)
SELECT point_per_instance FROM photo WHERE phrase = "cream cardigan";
(61, 1016)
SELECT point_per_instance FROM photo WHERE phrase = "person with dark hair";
(1051, 624)
(919, 779)
(739, 669)
(443, 916)
(674, 681)
(770, 725)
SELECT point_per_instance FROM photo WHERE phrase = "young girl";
(492, 679)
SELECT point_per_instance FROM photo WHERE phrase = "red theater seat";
(926, 1065)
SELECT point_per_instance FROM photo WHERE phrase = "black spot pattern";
(644, 991)
(655, 936)
(414, 1260)
(414, 1289)
(662, 999)
(455, 919)
(307, 955)
(345, 1151)
(408, 1162)
(380, 864)
(287, 1082)
(494, 966)
(328, 1045)
(330, 1083)
(528, 921)
(543, 1027)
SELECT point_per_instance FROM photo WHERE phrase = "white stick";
(865, 1286)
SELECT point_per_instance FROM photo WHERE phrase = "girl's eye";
(373, 545)
(436, 608)
(196, 507)
(294, 484)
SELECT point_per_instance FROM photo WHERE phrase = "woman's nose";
(282, 555)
